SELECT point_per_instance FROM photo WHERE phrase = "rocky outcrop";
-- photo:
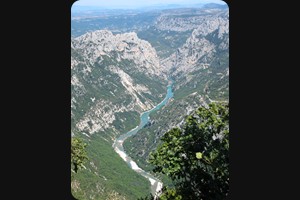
(201, 47)
(95, 44)
(112, 74)
(187, 19)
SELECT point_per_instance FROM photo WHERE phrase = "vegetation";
(149, 197)
(106, 173)
(197, 156)
(109, 86)
(210, 83)
(78, 154)
(164, 42)
(147, 139)
(129, 120)
(169, 194)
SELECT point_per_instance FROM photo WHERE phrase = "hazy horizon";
(133, 4)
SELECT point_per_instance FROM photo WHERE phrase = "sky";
(139, 3)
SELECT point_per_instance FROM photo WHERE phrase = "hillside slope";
(113, 79)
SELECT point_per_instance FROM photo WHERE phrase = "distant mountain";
(170, 6)
(75, 8)
(185, 19)
(215, 5)
(161, 6)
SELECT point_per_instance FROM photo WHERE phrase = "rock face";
(95, 44)
(210, 36)
(111, 75)
(187, 19)
(203, 61)
(200, 68)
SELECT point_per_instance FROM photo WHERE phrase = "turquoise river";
(156, 184)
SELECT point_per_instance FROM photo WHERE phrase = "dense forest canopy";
(196, 157)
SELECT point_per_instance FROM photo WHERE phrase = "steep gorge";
(200, 68)
(115, 77)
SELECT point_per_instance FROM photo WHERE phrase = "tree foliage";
(170, 194)
(196, 157)
(78, 154)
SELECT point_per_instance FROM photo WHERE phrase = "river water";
(156, 184)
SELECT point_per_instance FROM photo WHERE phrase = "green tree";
(196, 157)
(78, 154)
(170, 194)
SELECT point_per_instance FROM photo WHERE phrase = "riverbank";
(156, 184)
